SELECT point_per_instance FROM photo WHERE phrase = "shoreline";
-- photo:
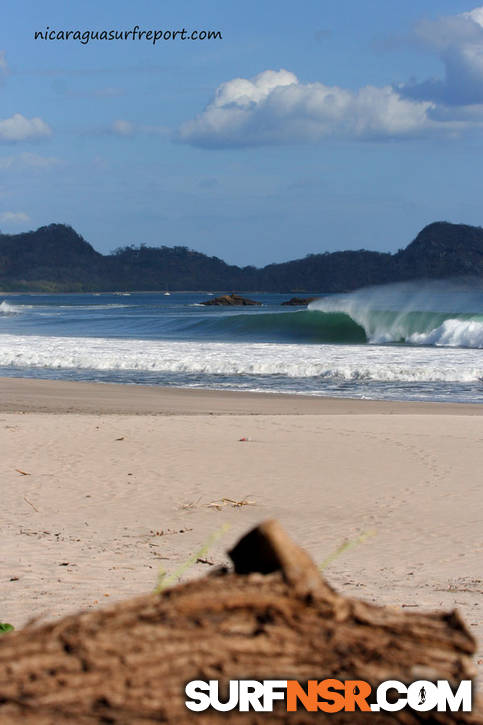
(34, 395)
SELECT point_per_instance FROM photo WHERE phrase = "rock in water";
(299, 301)
(230, 301)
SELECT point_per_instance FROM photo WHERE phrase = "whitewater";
(414, 341)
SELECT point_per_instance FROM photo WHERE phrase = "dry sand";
(121, 480)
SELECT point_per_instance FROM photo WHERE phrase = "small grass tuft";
(345, 546)
(165, 580)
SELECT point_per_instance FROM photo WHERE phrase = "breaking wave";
(7, 309)
(300, 326)
(445, 313)
(440, 313)
(330, 362)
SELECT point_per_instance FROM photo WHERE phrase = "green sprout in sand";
(345, 546)
(165, 580)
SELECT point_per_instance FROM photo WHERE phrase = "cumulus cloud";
(274, 107)
(458, 40)
(14, 217)
(19, 128)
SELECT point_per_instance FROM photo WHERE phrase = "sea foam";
(323, 362)
(8, 309)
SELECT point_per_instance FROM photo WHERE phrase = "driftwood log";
(274, 617)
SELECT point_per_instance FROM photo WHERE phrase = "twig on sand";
(30, 504)
(222, 502)
(23, 473)
(191, 504)
(168, 532)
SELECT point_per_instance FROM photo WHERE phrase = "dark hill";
(174, 268)
(56, 258)
(53, 258)
(443, 249)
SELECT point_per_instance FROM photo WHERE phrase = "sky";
(306, 127)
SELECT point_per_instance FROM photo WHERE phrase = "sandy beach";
(102, 485)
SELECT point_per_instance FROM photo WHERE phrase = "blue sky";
(310, 126)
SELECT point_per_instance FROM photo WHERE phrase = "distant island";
(55, 258)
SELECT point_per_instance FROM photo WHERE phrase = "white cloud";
(19, 128)
(28, 161)
(274, 107)
(12, 217)
(122, 128)
(458, 40)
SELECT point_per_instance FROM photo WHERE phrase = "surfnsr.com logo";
(329, 695)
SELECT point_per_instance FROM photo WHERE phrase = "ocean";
(409, 341)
